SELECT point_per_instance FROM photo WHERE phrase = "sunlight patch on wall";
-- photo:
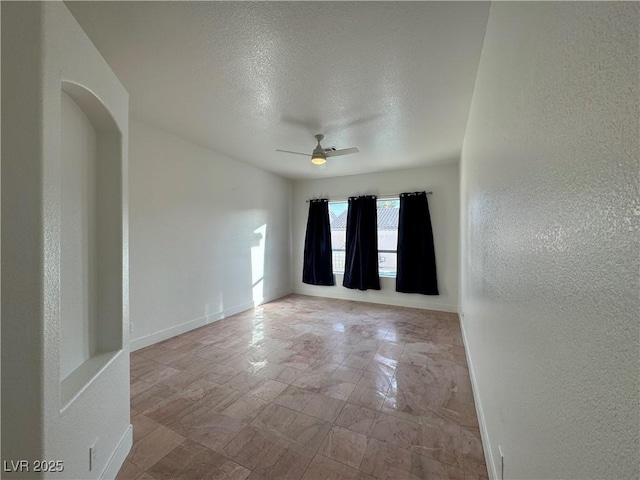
(257, 264)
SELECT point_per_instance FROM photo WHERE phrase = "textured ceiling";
(245, 79)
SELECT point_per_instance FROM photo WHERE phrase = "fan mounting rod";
(318, 157)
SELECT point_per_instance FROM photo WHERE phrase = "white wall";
(210, 236)
(44, 49)
(549, 228)
(444, 209)
(78, 229)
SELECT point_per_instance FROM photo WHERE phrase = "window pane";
(338, 261)
(388, 210)
(338, 222)
(387, 262)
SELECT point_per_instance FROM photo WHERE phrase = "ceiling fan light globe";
(318, 160)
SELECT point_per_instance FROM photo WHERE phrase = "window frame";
(380, 251)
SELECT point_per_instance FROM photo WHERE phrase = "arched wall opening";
(91, 293)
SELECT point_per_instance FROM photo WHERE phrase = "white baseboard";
(271, 298)
(228, 312)
(374, 296)
(484, 434)
(119, 455)
(161, 335)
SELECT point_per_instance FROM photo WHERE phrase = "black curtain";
(416, 255)
(318, 266)
(361, 262)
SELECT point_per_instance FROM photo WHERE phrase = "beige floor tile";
(190, 402)
(274, 418)
(250, 446)
(222, 374)
(324, 407)
(398, 432)
(377, 380)
(344, 446)
(443, 444)
(168, 356)
(472, 453)
(425, 467)
(193, 364)
(285, 461)
(280, 373)
(295, 398)
(141, 366)
(322, 468)
(347, 374)
(142, 426)
(150, 397)
(474, 476)
(357, 418)
(306, 431)
(148, 451)
(180, 380)
(367, 397)
(268, 390)
(355, 361)
(215, 430)
(138, 386)
(244, 382)
(146, 476)
(158, 374)
(332, 387)
(191, 460)
(129, 471)
(245, 408)
(382, 459)
(309, 380)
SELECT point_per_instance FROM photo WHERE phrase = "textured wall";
(22, 400)
(442, 180)
(549, 228)
(44, 46)
(209, 235)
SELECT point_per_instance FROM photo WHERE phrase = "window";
(388, 209)
(338, 223)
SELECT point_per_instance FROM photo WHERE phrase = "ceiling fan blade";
(344, 151)
(296, 153)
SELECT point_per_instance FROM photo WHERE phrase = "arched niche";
(91, 302)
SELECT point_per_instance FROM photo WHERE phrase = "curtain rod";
(377, 196)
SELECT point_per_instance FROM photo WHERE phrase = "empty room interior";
(320, 240)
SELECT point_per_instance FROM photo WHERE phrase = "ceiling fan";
(319, 155)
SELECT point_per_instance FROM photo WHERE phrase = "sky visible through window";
(337, 208)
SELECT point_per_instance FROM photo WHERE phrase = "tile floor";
(307, 388)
